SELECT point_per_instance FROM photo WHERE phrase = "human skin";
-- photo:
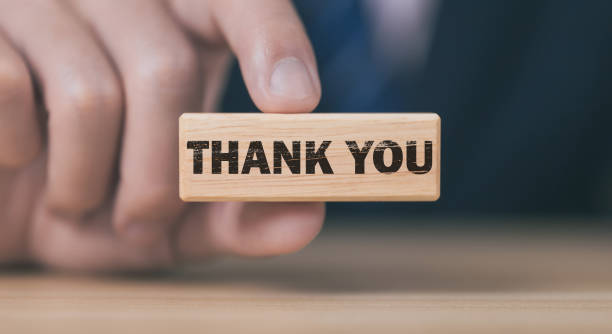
(90, 95)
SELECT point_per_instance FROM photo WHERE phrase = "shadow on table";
(410, 260)
(426, 260)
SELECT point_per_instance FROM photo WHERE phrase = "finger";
(161, 76)
(215, 64)
(247, 229)
(82, 95)
(19, 129)
(89, 245)
(268, 38)
(19, 191)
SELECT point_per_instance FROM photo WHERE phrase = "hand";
(110, 79)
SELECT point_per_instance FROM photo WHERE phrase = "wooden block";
(310, 157)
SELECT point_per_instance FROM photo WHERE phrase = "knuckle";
(169, 67)
(64, 204)
(74, 196)
(90, 95)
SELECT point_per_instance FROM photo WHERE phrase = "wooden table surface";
(365, 280)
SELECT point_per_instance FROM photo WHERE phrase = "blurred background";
(524, 90)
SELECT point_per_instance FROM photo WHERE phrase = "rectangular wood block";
(309, 157)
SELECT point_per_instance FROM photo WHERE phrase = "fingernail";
(290, 79)
(143, 233)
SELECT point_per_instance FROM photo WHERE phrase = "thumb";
(269, 40)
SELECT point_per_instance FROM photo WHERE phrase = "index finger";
(268, 38)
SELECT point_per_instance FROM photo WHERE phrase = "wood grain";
(388, 172)
(403, 280)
